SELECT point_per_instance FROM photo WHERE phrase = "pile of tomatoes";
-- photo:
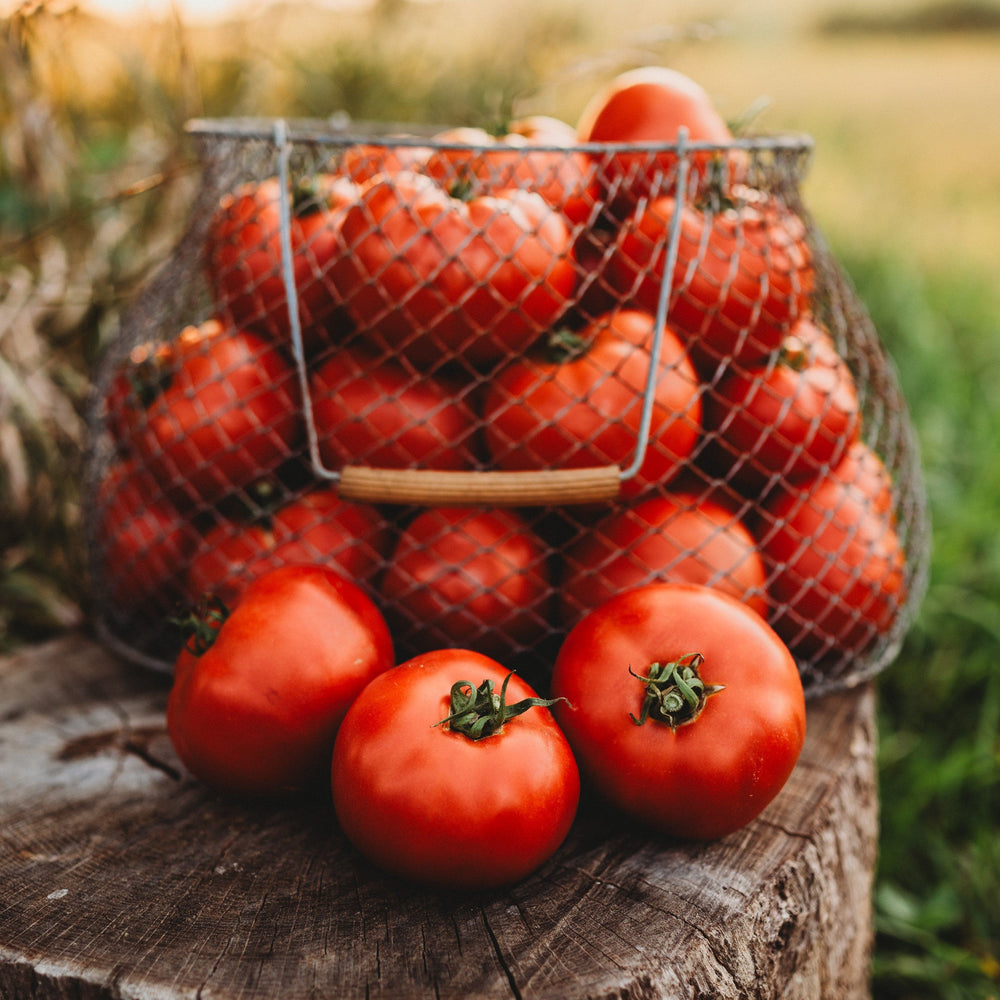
(478, 302)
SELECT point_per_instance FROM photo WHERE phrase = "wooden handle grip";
(432, 488)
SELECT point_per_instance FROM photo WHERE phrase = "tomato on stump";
(684, 708)
(254, 710)
(450, 771)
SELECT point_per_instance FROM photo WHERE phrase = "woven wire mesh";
(671, 312)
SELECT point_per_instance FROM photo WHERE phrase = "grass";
(905, 183)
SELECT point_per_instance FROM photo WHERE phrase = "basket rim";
(340, 130)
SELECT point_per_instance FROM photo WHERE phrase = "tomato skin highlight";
(256, 714)
(712, 776)
(425, 802)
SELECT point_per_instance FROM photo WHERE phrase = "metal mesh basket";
(497, 382)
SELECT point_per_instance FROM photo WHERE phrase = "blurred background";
(901, 97)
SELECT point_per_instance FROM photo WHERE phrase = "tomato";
(786, 418)
(648, 106)
(216, 411)
(243, 256)
(144, 543)
(317, 527)
(369, 411)
(257, 712)
(688, 713)
(436, 278)
(363, 161)
(468, 577)
(835, 558)
(742, 278)
(534, 154)
(423, 800)
(542, 412)
(676, 537)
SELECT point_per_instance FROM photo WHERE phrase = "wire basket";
(496, 381)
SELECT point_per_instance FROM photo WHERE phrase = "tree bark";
(124, 878)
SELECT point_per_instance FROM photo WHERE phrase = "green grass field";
(905, 183)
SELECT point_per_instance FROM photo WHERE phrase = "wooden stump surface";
(123, 878)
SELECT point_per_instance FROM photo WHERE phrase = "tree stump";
(124, 878)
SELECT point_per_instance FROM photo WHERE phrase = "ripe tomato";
(243, 255)
(215, 411)
(836, 562)
(675, 537)
(144, 543)
(542, 412)
(648, 106)
(317, 527)
(468, 577)
(741, 280)
(374, 412)
(786, 418)
(534, 154)
(364, 161)
(436, 278)
(687, 713)
(257, 712)
(423, 800)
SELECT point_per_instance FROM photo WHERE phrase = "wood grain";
(123, 878)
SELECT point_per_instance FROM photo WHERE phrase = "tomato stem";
(478, 712)
(675, 693)
(565, 345)
(201, 624)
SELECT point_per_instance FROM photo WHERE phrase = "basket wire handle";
(432, 487)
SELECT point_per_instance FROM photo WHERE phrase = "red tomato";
(425, 801)
(585, 411)
(741, 280)
(364, 161)
(687, 713)
(677, 537)
(524, 158)
(216, 411)
(437, 278)
(243, 256)
(370, 412)
(318, 527)
(648, 106)
(787, 418)
(468, 577)
(144, 542)
(258, 711)
(836, 560)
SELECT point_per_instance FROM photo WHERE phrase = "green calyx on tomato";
(478, 712)
(675, 693)
(200, 626)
